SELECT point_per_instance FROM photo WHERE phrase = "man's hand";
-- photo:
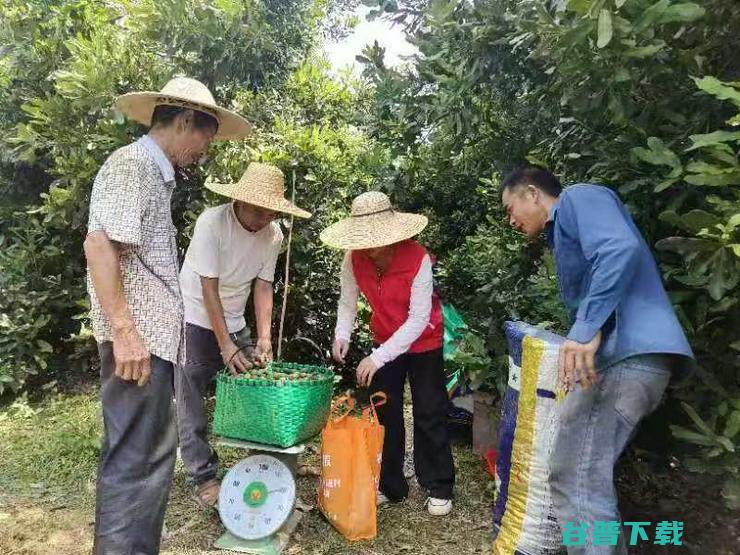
(263, 353)
(133, 360)
(577, 363)
(235, 359)
(366, 371)
(339, 350)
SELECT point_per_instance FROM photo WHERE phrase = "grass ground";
(47, 475)
(47, 489)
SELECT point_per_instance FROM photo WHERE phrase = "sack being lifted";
(523, 517)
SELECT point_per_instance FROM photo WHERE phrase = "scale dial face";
(257, 497)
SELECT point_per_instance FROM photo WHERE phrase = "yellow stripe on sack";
(521, 449)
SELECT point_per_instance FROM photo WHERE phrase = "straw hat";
(261, 185)
(373, 223)
(186, 93)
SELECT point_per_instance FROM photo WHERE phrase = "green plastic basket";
(282, 404)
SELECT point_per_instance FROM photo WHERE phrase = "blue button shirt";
(609, 279)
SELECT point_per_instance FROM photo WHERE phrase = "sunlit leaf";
(605, 29)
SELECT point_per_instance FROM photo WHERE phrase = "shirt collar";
(553, 211)
(550, 224)
(164, 164)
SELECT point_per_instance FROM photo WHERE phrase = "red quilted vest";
(389, 295)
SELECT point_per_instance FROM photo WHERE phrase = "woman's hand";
(339, 350)
(366, 371)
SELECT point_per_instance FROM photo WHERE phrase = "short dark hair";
(537, 176)
(164, 115)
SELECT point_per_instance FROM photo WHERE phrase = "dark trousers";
(137, 459)
(192, 383)
(435, 469)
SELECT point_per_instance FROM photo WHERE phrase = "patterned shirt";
(130, 202)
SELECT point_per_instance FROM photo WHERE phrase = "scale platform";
(258, 503)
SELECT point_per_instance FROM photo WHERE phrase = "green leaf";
(696, 419)
(735, 248)
(693, 221)
(605, 30)
(732, 426)
(709, 180)
(657, 154)
(717, 88)
(581, 7)
(726, 443)
(692, 437)
(691, 280)
(44, 347)
(640, 52)
(724, 275)
(619, 3)
(685, 13)
(710, 139)
(622, 75)
(685, 246)
(651, 15)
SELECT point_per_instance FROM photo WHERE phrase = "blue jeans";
(595, 426)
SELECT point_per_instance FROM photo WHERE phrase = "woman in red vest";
(394, 274)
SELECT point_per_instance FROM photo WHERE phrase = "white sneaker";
(382, 499)
(439, 507)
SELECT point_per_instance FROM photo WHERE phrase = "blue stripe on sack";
(507, 428)
(514, 336)
(545, 393)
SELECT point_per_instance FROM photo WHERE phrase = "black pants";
(137, 459)
(435, 469)
(192, 383)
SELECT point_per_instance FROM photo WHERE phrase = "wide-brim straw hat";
(262, 185)
(186, 93)
(373, 223)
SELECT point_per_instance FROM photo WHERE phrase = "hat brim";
(257, 198)
(139, 106)
(377, 230)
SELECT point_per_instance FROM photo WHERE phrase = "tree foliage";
(639, 95)
(61, 66)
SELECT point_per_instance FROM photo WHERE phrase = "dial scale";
(257, 497)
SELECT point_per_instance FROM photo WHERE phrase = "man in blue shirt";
(623, 345)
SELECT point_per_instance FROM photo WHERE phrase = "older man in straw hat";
(234, 245)
(394, 274)
(137, 308)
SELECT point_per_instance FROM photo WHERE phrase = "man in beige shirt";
(234, 246)
(137, 309)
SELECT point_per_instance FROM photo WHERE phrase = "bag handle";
(342, 401)
(382, 400)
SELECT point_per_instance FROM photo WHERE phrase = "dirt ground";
(47, 502)
(42, 524)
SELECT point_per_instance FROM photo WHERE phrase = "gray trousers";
(596, 425)
(192, 383)
(137, 459)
